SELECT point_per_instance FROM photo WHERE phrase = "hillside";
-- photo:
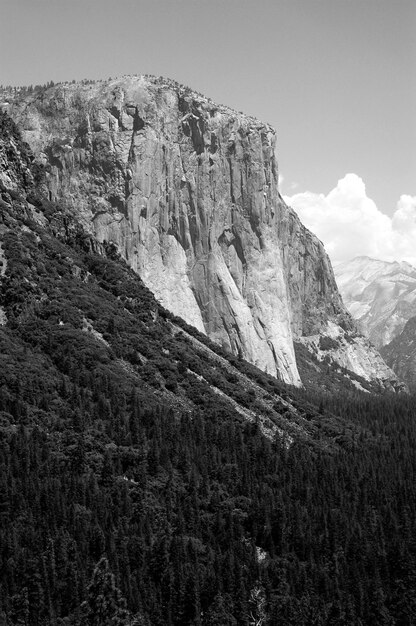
(150, 477)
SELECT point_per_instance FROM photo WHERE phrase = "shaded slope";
(80, 308)
(400, 353)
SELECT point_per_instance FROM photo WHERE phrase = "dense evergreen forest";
(149, 478)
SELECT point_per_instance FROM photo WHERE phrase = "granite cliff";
(187, 190)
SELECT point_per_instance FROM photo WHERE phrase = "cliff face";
(15, 176)
(320, 321)
(313, 293)
(188, 191)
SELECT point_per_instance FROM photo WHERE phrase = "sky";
(336, 78)
(350, 224)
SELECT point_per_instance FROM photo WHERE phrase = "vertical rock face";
(313, 293)
(187, 189)
(319, 318)
(15, 175)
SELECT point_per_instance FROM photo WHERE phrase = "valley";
(198, 434)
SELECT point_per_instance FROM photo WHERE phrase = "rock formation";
(187, 189)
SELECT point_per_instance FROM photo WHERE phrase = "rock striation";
(187, 190)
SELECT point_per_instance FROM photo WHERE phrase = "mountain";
(380, 295)
(400, 353)
(69, 302)
(149, 477)
(187, 191)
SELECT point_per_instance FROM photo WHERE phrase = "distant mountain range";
(400, 353)
(381, 296)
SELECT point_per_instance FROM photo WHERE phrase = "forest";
(148, 477)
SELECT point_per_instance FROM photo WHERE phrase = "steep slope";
(77, 305)
(148, 477)
(321, 324)
(180, 186)
(379, 294)
(187, 190)
(110, 410)
(400, 353)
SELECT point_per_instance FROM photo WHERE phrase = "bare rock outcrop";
(187, 189)
(319, 318)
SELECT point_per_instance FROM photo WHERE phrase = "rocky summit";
(187, 190)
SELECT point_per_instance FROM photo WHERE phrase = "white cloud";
(349, 223)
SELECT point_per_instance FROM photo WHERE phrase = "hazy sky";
(336, 78)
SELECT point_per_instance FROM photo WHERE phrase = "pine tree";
(219, 613)
(105, 605)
